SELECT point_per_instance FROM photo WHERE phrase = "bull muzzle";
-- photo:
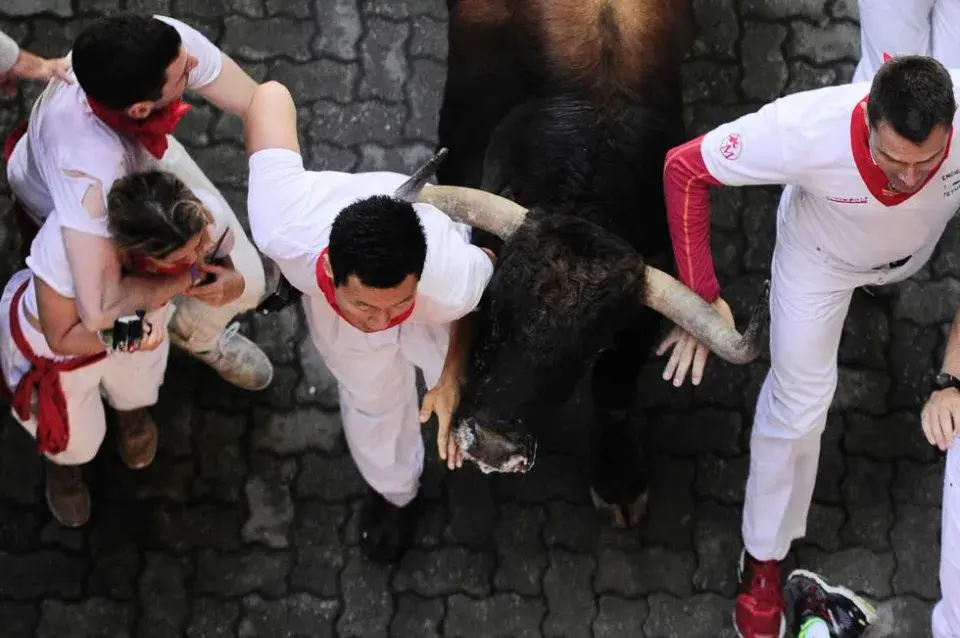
(493, 451)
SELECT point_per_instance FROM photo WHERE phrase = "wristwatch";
(945, 380)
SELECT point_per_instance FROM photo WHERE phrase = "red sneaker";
(759, 607)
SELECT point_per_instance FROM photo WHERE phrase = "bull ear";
(410, 189)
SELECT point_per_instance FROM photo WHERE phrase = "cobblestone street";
(245, 525)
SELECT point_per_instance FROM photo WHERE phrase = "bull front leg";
(620, 478)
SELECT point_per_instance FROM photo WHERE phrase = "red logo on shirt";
(731, 146)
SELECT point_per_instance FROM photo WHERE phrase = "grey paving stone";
(916, 543)
(328, 478)
(317, 80)
(653, 569)
(417, 617)
(619, 617)
(297, 615)
(895, 436)
(296, 432)
(497, 616)
(869, 506)
(824, 44)
(718, 28)
(919, 484)
(472, 510)
(269, 502)
(701, 432)
(702, 616)
(444, 571)
(164, 602)
(236, 573)
(357, 123)
(428, 38)
(765, 70)
(30, 7)
(717, 539)
(570, 602)
(91, 618)
(814, 9)
(383, 59)
(19, 619)
(252, 39)
(212, 618)
(367, 601)
(340, 29)
(722, 479)
(43, 573)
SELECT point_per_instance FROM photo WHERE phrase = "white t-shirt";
(67, 148)
(804, 140)
(292, 210)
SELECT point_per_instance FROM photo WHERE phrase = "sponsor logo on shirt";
(847, 200)
(731, 146)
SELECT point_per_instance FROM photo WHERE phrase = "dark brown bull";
(565, 109)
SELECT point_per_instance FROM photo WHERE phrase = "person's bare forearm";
(77, 341)
(951, 356)
(139, 293)
(462, 333)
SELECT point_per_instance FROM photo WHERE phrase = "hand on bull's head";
(689, 354)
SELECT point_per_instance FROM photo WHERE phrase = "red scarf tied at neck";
(151, 131)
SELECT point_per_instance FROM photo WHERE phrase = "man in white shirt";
(871, 181)
(118, 117)
(385, 283)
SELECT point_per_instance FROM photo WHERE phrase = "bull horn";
(471, 206)
(477, 208)
(688, 310)
(410, 189)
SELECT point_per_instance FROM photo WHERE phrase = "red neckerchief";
(327, 288)
(140, 265)
(875, 179)
(53, 423)
(151, 131)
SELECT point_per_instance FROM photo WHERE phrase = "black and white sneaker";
(808, 596)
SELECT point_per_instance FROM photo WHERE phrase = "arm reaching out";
(747, 151)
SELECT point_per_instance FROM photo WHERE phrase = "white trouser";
(810, 294)
(378, 393)
(196, 326)
(905, 27)
(128, 381)
(946, 613)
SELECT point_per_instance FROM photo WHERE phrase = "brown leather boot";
(67, 494)
(136, 438)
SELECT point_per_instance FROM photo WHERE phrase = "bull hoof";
(622, 515)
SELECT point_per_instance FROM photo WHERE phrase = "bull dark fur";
(581, 143)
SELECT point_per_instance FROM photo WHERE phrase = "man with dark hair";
(386, 284)
(871, 180)
(131, 73)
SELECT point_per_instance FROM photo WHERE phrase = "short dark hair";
(122, 60)
(153, 213)
(380, 240)
(914, 95)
